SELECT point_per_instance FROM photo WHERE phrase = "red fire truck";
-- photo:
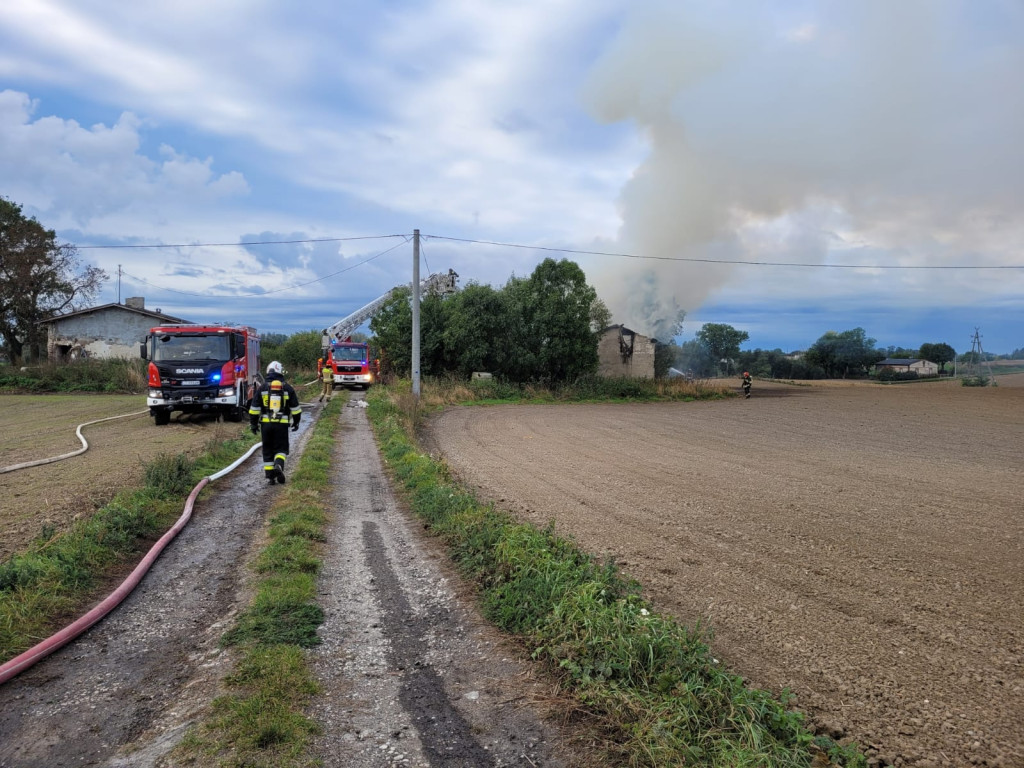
(201, 368)
(350, 364)
(349, 360)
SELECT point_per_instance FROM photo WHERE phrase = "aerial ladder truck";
(349, 360)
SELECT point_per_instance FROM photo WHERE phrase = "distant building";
(623, 352)
(107, 331)
(907, 364)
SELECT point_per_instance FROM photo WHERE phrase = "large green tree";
(538, 328)
(556, 302)
(940, 353)
(721, 341)
(475, 320)
(844, 354)
(39, 278)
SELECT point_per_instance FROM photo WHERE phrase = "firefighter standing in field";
(746, 384)
(274, 406)
(326, 375)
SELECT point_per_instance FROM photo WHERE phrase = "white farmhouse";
(107, 331)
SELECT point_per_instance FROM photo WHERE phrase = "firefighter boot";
(279, 470)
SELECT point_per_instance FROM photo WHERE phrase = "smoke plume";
(889, 126)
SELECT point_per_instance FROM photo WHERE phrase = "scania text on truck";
(201, 369)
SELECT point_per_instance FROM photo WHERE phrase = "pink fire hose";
(41, 650)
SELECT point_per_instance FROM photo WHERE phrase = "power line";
(551, 249)
(267, 293)
(235, 245)
(726, 261)
(423, 253)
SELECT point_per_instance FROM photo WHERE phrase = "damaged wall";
(623, 352)
(109, 331)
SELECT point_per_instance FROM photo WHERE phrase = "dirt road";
(411, 676)
(860, 545)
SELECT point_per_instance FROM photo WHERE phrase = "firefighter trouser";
(275, 445)
(328, 388)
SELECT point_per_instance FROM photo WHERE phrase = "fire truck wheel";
(161, 418)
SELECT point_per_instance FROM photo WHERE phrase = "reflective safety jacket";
(275, 402)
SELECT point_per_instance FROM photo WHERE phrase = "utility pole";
(118, 283)
(416, 314)
(978, 356)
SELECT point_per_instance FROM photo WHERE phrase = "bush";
(888, 374)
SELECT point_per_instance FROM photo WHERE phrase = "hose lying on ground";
(83, 449)
(41, 650)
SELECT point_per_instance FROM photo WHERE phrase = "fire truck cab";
(201, 368)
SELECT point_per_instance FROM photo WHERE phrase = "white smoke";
(894, 126)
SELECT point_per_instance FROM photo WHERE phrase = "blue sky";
(812, 147)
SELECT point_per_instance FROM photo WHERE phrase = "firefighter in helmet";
(746, 384)
(273, 407)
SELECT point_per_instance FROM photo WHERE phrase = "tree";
(557, 302)
(534, 329)
(600, 315)
(39, 278)
(721, 341)
(664, 358)
(299, 351)
(693, 357)
(475, 318)
(392, 327)
(841, 354)
(940, 353)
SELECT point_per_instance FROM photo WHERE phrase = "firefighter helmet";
(274, 367)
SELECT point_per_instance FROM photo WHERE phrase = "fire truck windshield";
(168, 347)
(348, 353)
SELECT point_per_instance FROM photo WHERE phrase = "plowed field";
(859, 545)
(51, 496)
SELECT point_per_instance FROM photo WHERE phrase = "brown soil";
(859, 545)
(52, 496)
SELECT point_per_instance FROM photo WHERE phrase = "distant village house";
(908, 365)
(107, 331)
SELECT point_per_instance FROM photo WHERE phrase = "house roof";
(901, 361)
(625, 330)
(116, 307)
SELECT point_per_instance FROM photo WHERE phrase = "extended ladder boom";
(438, 282)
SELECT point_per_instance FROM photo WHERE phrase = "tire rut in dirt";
(445, 735)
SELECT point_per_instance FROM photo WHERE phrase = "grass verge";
(666, 700)
(53, 580)
(260, 721)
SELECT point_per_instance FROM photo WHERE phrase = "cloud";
(80, 176)
(888, 125)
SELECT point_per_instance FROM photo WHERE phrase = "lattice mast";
(978, 357)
